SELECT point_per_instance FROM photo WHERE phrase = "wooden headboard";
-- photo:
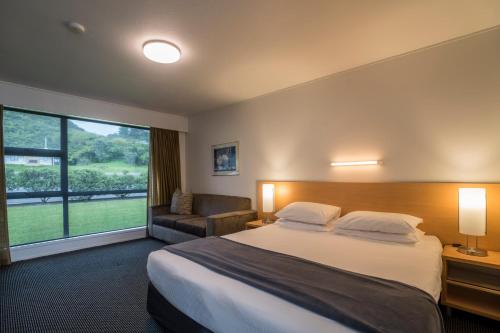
(436, 203)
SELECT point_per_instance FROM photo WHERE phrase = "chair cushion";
(169, 220)
(194, 226)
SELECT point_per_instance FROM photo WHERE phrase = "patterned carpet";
(96, 290)
(104, 290)
(463, 322)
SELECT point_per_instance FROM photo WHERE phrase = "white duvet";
(226, 305)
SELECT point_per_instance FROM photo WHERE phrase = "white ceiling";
(232, 49)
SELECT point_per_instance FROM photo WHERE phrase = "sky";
(96, 128)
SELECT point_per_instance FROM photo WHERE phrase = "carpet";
(101, 289)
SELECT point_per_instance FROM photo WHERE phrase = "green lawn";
(112, 167)
(109, 167)
(34, 223)
(20, 167)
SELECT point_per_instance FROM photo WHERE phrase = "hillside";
(129, 145)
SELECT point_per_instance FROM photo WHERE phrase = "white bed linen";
(223, 304)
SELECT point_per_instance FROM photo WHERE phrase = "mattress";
(225, 305)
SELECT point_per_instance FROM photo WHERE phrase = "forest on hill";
(129, 145)
(97, 162)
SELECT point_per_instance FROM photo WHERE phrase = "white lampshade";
(267, 198)
(472, 211)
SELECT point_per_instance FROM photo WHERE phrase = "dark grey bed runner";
(361, 302)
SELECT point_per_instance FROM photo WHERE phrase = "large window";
(69, 177)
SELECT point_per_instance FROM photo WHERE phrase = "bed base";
(168, 316)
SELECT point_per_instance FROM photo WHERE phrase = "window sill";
(42, 249)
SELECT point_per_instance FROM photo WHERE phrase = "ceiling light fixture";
(161, 51)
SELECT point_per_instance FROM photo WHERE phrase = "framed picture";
(225, 159)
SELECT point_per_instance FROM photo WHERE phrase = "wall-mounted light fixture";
(355, 163)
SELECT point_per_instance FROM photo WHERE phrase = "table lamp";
(472, 218)
(268, 201)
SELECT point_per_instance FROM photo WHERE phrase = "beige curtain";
(4, 228)
(164, 166)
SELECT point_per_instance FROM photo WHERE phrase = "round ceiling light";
(161, 51)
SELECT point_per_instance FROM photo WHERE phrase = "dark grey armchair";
(212, 215)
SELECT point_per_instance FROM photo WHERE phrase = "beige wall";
(432, 115)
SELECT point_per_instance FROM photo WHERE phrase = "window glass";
(34, 220)
(32, 173)
(103, 157)
(25, 130)
(93, 214)
(105, 164)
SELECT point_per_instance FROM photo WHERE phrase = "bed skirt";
(168, 316)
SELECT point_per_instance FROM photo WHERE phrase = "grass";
(20, 167)
(109, 167)
(35, 223)
(112, 167)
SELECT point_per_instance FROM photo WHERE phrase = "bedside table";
(471, 283)
(255, 224)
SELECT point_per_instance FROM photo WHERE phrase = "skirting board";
(30, 251)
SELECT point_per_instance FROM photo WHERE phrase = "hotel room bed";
(223, 304)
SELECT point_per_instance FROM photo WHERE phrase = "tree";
(11, 179)
(127, 181)
(142, 182)
(28, 130)
(134, 133)
(39, 179)
(85, 180)
(137, 154)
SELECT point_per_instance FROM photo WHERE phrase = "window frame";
(62, 153)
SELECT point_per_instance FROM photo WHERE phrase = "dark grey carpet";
(104, 290)
(96, 290)
(463, 322)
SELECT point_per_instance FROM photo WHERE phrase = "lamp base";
(472, 251)
(268, 220)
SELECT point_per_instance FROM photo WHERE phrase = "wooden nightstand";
(255, 224)
(471, 283)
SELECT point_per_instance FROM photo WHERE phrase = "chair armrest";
(159, 210)
(228, 223)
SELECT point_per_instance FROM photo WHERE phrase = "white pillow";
(393, 223)
(306, 226)
(409, 238)
(309, 212)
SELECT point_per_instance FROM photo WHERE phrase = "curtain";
(4, 228)
(164, 166)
